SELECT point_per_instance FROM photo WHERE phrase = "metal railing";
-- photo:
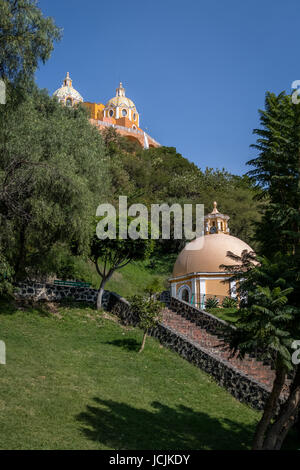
(208, 299)
(116, 126)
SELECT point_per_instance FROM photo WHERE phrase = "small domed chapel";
(197, 274)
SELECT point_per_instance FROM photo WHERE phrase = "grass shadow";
(121, 426)
(12, 306)
(68, 302)
(129, 344)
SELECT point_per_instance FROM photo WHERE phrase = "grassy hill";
(133, 278)
(74, 380)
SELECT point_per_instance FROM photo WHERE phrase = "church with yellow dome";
(197, 273)
(119, 112)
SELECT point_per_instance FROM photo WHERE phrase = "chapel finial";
(67, 80)
(120, 90)
(215, 210)
(215, 222)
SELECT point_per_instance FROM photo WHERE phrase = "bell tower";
(215, 222)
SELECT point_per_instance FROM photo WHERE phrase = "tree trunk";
(270, 409)
(99, 298)
(144, 341)
(286, 418)
(101, 288)
(100, 293)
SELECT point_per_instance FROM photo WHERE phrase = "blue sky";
(196, 70)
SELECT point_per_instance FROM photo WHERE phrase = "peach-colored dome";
(205, 254)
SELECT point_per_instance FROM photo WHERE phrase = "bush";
(154, 287)
(229, 302)
(212, 302)
(148, 312)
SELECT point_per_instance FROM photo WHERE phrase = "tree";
(148, 312)
(26, 38)
(53, 175)
(267, 327)
(269, 291)
(154, 287)
(110, 255)
(276, 173)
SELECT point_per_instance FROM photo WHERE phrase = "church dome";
(66, 94)
(205, 254)
(120, 100)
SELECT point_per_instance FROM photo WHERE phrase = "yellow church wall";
(96, 109)
(216, 287)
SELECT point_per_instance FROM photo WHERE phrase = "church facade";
(119, 112)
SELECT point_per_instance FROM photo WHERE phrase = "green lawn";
(227, 314)
(74, 380)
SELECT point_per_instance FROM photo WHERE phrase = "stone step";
(250, 366)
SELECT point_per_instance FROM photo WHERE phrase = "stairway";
(251, 367)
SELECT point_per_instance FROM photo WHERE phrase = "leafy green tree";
(267, 327)
(276, 172)
(26, 38)
(154, 287)
(148, 312)
(53, 175)
(270, 291)
(110, 255)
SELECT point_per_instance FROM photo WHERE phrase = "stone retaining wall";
(203, 319)
(51, 292)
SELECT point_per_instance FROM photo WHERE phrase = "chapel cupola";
(67, 81)
(121, 110)
(215, 222)
(66, 94)
(120, 90)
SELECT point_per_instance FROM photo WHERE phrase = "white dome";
(67, 91)
(120, 100)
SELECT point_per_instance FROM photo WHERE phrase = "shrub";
(149, 313)
(212, 302)
(229, 302)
